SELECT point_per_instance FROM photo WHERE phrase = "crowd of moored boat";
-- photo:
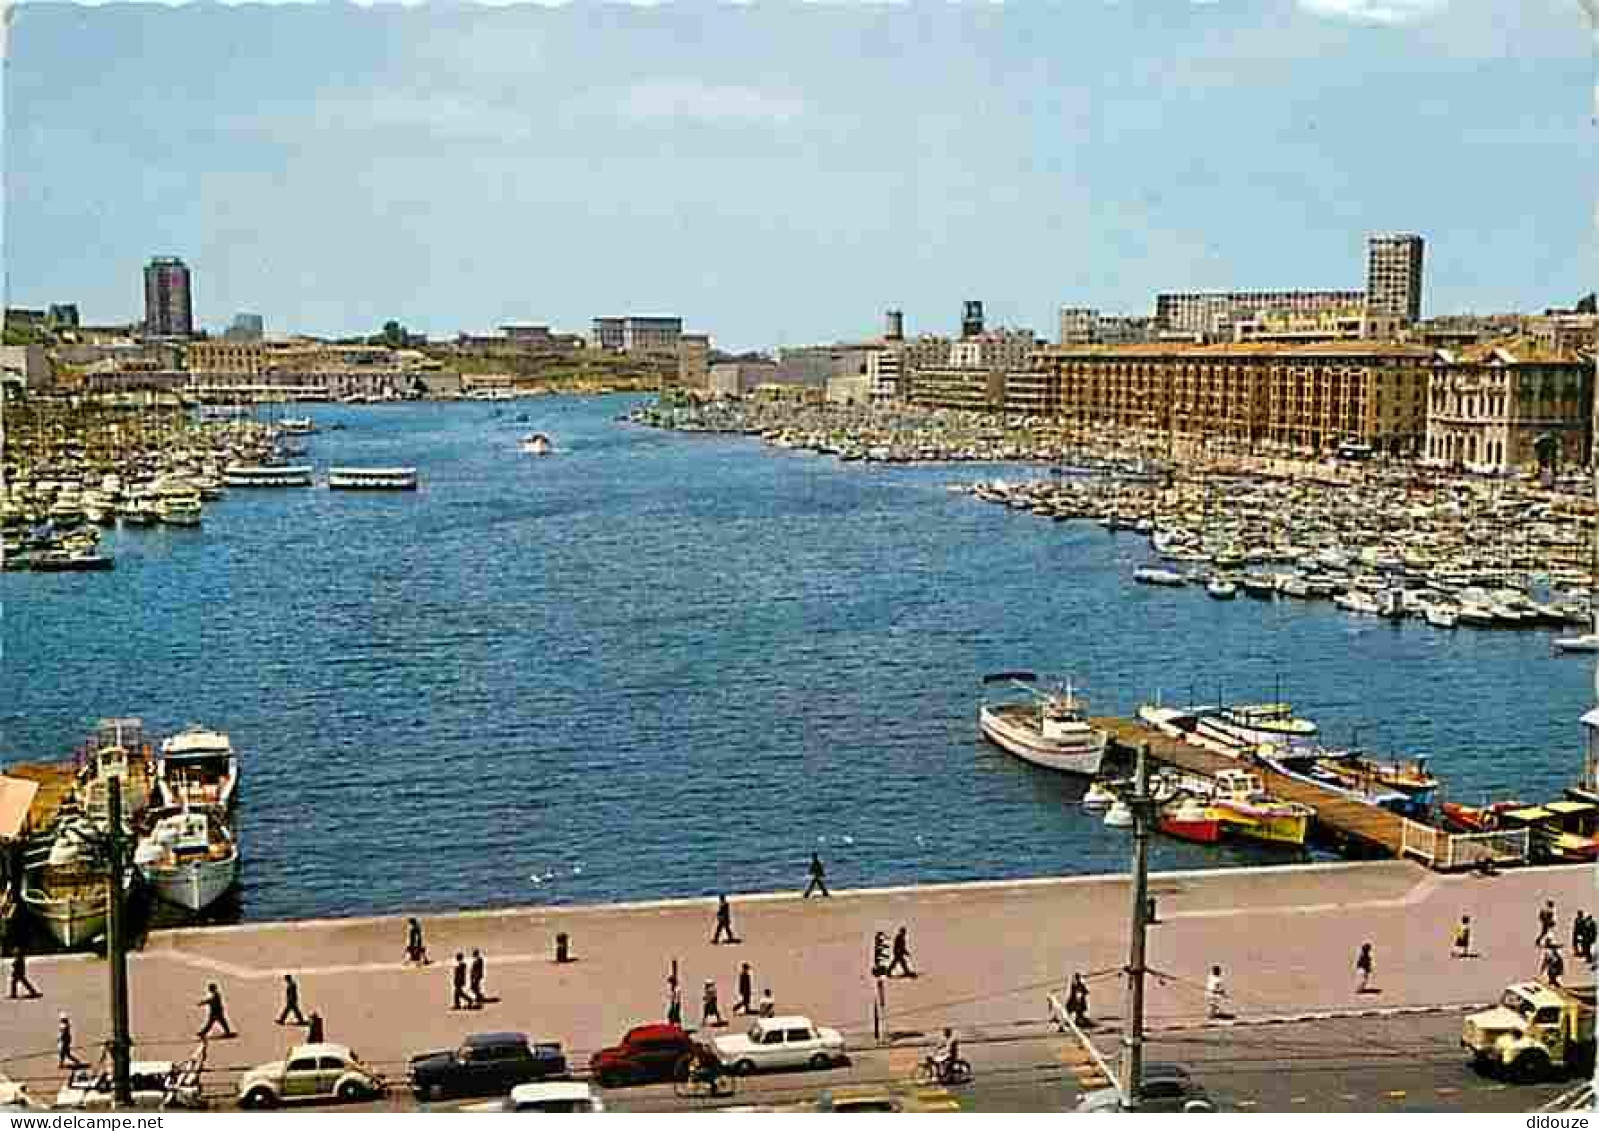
(1454, 552)
(1048, 727)
(177, 804)
(53, 509)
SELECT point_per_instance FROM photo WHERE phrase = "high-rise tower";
(168, 304)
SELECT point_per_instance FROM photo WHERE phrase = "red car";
(648, 1054)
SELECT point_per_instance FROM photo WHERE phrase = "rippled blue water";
(658, 664)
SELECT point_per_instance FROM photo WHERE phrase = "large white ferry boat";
(372, 478)
(286, 475)
(1047, 728)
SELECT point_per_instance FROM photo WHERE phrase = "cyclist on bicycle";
(947, 1053)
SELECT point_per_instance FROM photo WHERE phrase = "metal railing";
(1445, 850)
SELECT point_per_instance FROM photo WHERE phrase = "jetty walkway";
(1351, 824)
(987, 954)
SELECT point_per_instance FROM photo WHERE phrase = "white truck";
(1534, 1032)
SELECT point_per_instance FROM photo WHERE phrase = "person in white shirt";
(1215, 993)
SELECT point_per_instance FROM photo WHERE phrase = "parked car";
(781, 1042)
(485, 1064)
(310, 1072)
(647, 1054)
(88, 1088)
(562, 1097)
(1167, 1088)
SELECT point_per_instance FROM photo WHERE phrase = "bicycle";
(702, 1077)
(951, 1073)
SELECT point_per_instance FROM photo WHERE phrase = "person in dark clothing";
(1077, 1001)
(1363, 968)
(415, 950)
(1551, 966)
(458, 980)
(291, 1002)
(711, 1008)
(315, 1034)
(902, 954)
(746, 990)
(818, 878)
(1546, 922)
(19, 974)
(477, 979)
(64, 1057)
(214, 1013)
(724, 922)
(674, 1005)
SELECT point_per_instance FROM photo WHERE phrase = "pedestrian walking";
(64, 1057)
(1462, 944)
(1363, 968)
(746, 991)
(291, 1002)
(1077, 1001)
(19, 974)
(315, 1034)
(458, 981)
(902, 954)
(1581, 926)
(768, 1006)
(1551, 966)
(1590, 934)
(674, 1005)
(1546, 922)
(1215, 994)
(214, 1013)
(818, 878)
(711, 1008)
(724, 922)
(416, 952)
(477, 979)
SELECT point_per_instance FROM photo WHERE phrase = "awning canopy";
(16, 798)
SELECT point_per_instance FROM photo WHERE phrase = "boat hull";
(195, 885)
(1202, 830)
(74, 919)
(1272, 828)
(1013, 738)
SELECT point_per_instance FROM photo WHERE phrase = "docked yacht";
(177, 502)
(297, 425)
(1047, 728)
(1151, 575)
(197, 767)
(189, 857)
(1255, 724)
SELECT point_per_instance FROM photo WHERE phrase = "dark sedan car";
(485, 1064)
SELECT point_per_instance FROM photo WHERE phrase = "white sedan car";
(781, 1042)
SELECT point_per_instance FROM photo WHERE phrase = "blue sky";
(780, 173)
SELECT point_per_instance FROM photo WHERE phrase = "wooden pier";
(1350, 825)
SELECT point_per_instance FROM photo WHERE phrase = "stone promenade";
(986, 954)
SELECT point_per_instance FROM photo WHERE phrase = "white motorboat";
(536, 444)
(1099, 796)
(1255, 724)
(1357, 602)
(1222, 589)
(372, 478)
(297, 425)
(1441, 616)
(1587, 642)
(189, 858)
(1150, 575)
(1046, 729)
(197, 767)
(1119, 816)
(177, 502)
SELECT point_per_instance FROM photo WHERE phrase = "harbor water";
(658, 664)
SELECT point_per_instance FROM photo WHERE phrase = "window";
(800, 1035)
(774, 1037)
(303, 1064)
(330, 1064)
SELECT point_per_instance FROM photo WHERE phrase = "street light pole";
(116, 950)
(1133, 1042)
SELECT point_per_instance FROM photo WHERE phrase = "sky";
(782, 173)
